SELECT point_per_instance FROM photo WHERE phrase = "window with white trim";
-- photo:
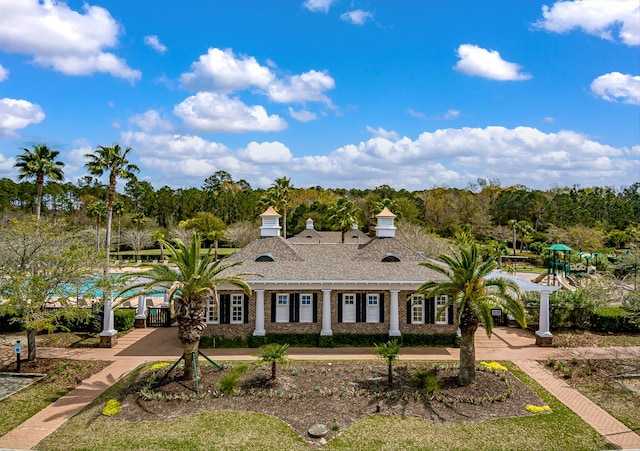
(213, 311)
(417, 309)
(348, 308)
(373, 309)
(237, 309)
(306, 308)
(282, 308)
(442, 316)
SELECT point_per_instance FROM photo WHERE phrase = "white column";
(394, 320)
(165, 301)
(141, 313)
(326, 313)
(108, 323)
(259, 330)
(544, 316)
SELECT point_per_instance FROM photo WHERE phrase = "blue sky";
(337, 93)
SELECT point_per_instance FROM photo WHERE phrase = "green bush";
(74, 319)
(615, 319)
(229, 382)
(426, 380)
(325, 341)
(124, 319)
(219, 341)
(437, 339)
(10, 323)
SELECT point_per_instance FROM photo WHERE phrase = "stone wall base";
(108, 341)
(544, 342)
(140, 323)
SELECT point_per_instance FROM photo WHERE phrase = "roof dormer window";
(389, 257)
(266, 257)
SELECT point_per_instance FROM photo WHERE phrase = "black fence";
(499, 318)
(158, 317)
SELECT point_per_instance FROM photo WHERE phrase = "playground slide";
(564, 283)
(541, 277)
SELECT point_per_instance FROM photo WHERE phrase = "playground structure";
(558, 270)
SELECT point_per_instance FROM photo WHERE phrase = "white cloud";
(266, 153)
(68, 41)
(382, 133)
(356, 17)
(221, 71)
(6, 167)
(318, 5)
(596, 17)
(453, 156)
(616, 86)
(418, 114)
(476, 61)
(309, 86)
(154, 42)
(452, 114)
(4, 73)
(302, 115)
(16, 114)
(217, 113)
(548, 119)
(151, 120)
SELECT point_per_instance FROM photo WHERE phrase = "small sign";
(16, 348)
(496, 312)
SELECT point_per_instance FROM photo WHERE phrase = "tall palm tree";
(97, 211)
(39, 164)
(343, 213)
(277, 196)
(467, 286)
(112, 160)
(190, 284)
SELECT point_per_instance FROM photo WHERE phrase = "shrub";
(10, 323)
(123, 319)
(219, 341)
(426, 381)
(615, 319)
(111, 408)
(228, 383)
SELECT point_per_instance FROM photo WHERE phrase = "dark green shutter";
(273, 307)
(225, 308)
(430, 307)
(339, 307)
(381, 304)
(450, 310)
(315, 307)
(246, 309)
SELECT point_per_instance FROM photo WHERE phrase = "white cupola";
(309, 224)
(270, 223)
(385, 227)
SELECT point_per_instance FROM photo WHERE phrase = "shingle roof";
(296, 261)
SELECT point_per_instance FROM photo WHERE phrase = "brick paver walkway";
(143, 345)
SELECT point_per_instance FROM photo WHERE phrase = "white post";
(165, 302)
(544, 316)
(142, 305)
(108, 321)
(259, 330)
(326, 313)
(394, 320)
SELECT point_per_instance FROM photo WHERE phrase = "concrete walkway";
(142, 345)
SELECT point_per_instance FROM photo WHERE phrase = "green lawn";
(559, 430)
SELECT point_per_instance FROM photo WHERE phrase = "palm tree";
(388, 351)
(39, 164)
(343, 212)
(467, 286)
(112, 160)
(190, 284)
(97, 211)
(274, 353)
(278, 197)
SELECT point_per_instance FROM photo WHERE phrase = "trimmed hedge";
(615, 319)
(347, 339)
(222, 342)
(124, 319)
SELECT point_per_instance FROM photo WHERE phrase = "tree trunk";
(467, 374)
(40, 183)
(31, 345)
(273, 370)
(190, 370)
(390, 377)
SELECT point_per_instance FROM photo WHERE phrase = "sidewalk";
(142, 345)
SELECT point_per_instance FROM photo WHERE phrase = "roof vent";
(270, 223)
(385, 227)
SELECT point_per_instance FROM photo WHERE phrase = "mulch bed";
(334, 394)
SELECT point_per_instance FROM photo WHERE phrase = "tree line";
(583, 217)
